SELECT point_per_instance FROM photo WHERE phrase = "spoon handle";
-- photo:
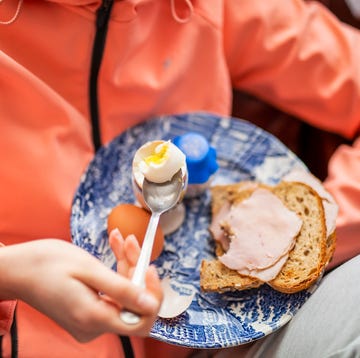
(146, 249)
(142, 264)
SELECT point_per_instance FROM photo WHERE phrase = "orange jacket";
(61, 93)
(343, 182)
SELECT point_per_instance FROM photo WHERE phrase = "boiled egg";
(132, 219)
(158, 161)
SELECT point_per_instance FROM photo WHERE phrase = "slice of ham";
(215, 227)
(268, 273)
(263, 230)
(330, 207)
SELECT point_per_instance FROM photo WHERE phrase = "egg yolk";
(132, 219)
(159, 156)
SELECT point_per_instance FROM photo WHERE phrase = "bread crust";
(308, 258)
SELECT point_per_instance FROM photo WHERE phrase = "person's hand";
(75, 289)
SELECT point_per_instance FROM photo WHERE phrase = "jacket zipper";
(102, 21)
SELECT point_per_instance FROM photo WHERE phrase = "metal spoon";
(159, 197)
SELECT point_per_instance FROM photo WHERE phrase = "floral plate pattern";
(244, 152)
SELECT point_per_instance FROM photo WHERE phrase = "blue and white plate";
(245, 152)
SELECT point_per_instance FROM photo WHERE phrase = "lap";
(327, 325)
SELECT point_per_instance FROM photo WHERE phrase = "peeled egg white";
(171, 159)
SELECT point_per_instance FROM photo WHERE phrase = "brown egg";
(131, 219)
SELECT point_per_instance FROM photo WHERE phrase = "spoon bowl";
(161, 197)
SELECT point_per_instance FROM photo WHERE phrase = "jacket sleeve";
(297, 56)
(343, 182)
(7, 309)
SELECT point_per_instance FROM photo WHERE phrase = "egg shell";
(132, 219)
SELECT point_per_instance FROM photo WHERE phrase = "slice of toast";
(216, 277)
(308, 258)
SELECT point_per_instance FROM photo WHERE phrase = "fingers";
(154, 288)
(126, 251)
(146, 303)
(118, 288)
(131, 250)
(90, 315)
(120, 293)
(116, 241)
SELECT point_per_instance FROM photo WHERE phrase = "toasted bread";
(216, 277)
(307, 259)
